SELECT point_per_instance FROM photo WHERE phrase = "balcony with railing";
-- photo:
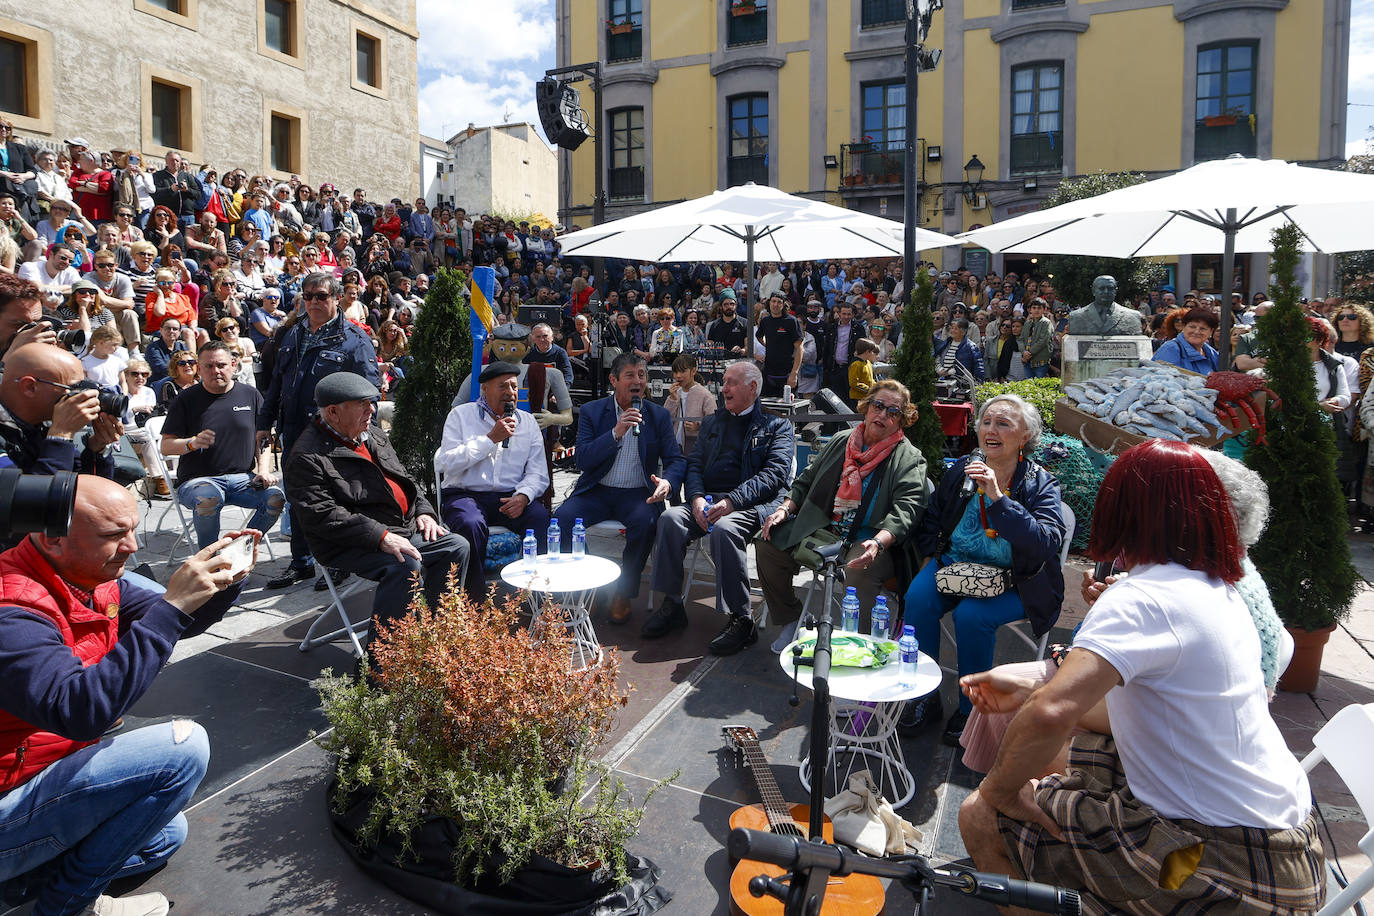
(742, 169)
(1039, 153)
(881, 12)
(626, 183)
(868, 164)
(624, 41)
(748, 23)
(1219, 136)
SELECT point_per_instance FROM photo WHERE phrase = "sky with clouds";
(479, 60)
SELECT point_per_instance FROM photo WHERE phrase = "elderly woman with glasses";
(227, 330)
(182, 374)
(865, 488)
(167, 302)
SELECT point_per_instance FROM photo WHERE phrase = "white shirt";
(37, 271)
(106, 371)
(1191, 719)
(468, 459)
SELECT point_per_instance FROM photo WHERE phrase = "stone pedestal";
(1088, 356)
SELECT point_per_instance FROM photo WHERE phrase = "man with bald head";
(40, 415)
(78, 647)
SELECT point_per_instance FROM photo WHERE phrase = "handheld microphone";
(510, 412)
(969, 486)
(635, 404)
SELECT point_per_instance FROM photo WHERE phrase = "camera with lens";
(112, 400)
(73, 340)
(34, 503)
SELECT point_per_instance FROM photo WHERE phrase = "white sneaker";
(140, 905)
(788, 634)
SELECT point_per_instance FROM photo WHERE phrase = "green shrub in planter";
(1041, 392)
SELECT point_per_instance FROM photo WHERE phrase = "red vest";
(27, 581)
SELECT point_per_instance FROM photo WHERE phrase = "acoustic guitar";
(852, 895)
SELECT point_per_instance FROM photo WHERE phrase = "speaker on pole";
(560, 114)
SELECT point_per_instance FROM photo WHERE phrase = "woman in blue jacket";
(1002, 511)
(956, 348)
(1190, 349)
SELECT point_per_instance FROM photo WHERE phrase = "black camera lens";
(73, 340)
(36, 503)
(112, 400)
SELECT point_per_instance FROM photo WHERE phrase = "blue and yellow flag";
(483, 294)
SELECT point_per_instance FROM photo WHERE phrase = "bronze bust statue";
(1104, 316)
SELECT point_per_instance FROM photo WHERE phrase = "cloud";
(1362, 49)
(483, 38)
(449, 102)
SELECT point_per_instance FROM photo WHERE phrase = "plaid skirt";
(1125, 858)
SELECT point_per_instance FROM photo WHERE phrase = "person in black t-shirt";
(213, 426)
(782, 347)
(728, 331)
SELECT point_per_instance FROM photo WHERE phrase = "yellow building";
(808, 96)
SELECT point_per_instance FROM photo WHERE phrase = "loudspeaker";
(560, 114)
(530, 315)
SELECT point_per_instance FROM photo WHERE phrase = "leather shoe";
(740, 633)
(292, 575)
(620, 610)
(954, 729)
(671, 615)
(338, 575)
(919, 713)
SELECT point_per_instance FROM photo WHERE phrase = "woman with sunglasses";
(166, 302)
(182, 374)
(227, 330)
(275, 261)
(308, 206)
(142, 398)
(162, 229)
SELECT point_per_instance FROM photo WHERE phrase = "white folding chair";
(1022, 628)
(1344, 742)
(350, 627)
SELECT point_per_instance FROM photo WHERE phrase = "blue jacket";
(597, 445)
(968, 356)
(1029, 517)
(765, 467)
(1179, 352)
(290, 398)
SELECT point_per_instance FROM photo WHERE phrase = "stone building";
(506, 168)
(322, 88)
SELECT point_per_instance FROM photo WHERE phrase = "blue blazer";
(596, 445)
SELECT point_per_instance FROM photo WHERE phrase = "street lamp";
(918, 16)
(973, 179)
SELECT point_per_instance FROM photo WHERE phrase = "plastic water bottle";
(849, 611)
(787, 394)
(882, 619)
(907, 649)
(579, 544)
(531, 547)
(707, 511)
(555, 540)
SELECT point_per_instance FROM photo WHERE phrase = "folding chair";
(1344, 742)
(350, 626)
(1022, 627)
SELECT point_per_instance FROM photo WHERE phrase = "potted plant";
(620, 26)
(1303, 555)
(865, 145)
(742, 8)
(463, 754)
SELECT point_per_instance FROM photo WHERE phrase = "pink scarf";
(858, 464)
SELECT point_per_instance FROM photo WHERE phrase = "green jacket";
(1036, 337)
(897, 505)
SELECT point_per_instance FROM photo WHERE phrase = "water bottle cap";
(529, 532)
(882, 600)
(909, 630)
(849, 590)
(577, 522)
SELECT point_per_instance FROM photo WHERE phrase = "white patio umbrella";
(1224, 206)
(744, 224)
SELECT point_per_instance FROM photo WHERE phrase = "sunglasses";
(315, 297)
(183, 363)
(105, 265)
(889, 409)
(138, 374)
(1350, 315)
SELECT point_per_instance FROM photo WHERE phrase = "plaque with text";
(1109, 348)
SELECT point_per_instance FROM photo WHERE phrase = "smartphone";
(239, 553)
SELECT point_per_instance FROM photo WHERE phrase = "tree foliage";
(1303, 555)
(1073, 275)
(1357, 267)
(440, 359)
(914, 367)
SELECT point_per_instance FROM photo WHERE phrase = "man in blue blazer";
(621, 442)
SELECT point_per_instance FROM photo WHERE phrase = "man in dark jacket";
(317, 346)
(743, 460)
(357, 506)
(177, 188)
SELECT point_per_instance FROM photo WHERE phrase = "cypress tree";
(440, 359)
(1303, 555)
(914, 367)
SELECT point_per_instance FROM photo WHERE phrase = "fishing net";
(1080, 474)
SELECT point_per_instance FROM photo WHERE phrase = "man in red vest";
(78, 647)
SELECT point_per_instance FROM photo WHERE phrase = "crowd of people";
(243, 312)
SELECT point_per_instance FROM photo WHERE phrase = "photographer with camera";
(20, 308)
(79, 646)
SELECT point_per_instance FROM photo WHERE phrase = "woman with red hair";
(1184, 796)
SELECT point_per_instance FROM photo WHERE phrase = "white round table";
(566, 586)
(865, 704)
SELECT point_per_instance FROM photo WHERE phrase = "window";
(369, 60)
(626, 180)
(880, 154)
(624, 30)
(1034, 4)
(14, 76)
(279, 30)
(748, 22)
(1037, 107)
(748, 155)
(170, 105)
(171, 6)
(178, 12)
(285, 143)
(1225, 115)
(882, 12)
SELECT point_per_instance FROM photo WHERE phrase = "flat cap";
(342, 387)
(510, 331)
(497, 370)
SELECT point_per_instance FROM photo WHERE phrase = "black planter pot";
(541, 888)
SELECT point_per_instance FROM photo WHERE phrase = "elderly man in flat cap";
(493, 466)
(359, 509)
